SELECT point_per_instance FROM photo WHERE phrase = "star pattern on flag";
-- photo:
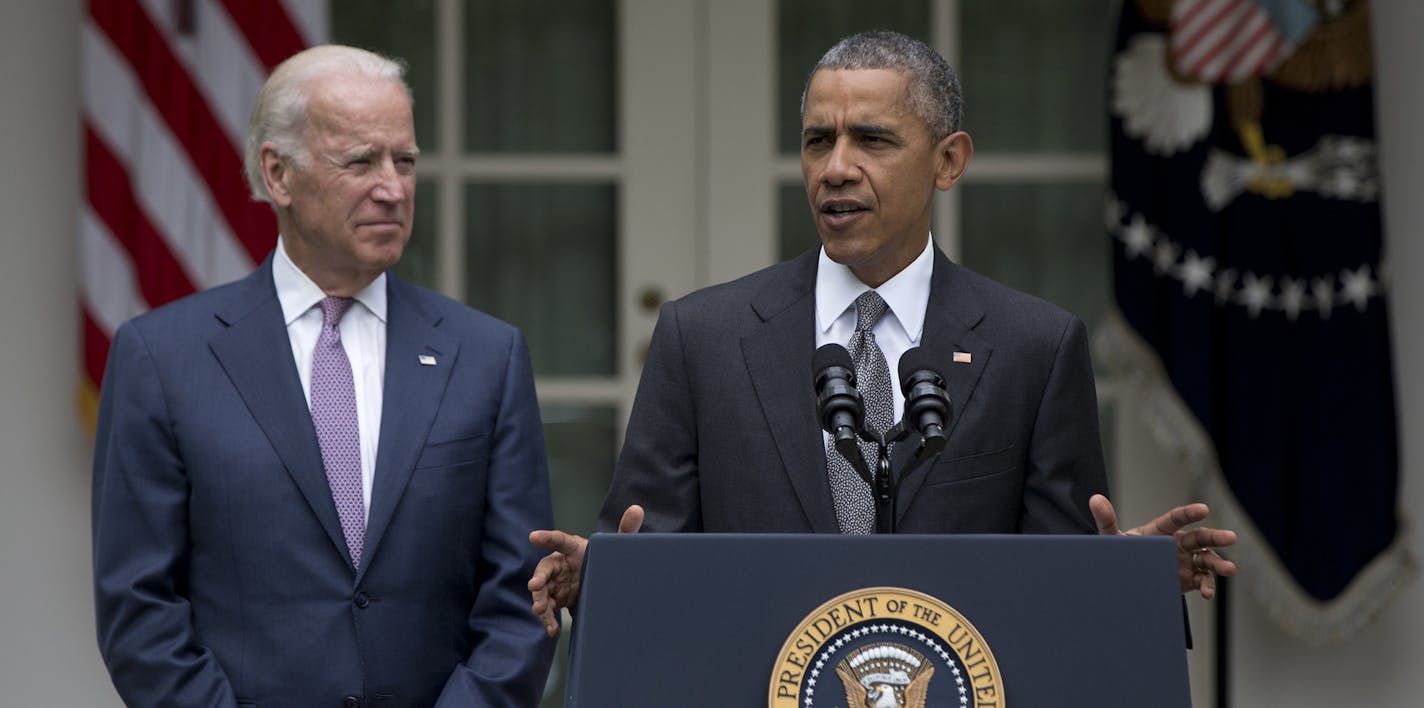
(1255, 293)
(1137, 236)
(1196, 273)
(1358, 286)
(1289, 294)
(1292, 296)
(1164, 256)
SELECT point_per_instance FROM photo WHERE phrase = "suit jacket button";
(361, 600)
(351, 702)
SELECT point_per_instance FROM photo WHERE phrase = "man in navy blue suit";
(313, 486)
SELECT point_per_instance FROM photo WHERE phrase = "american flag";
(1229, 41)
(167, 86)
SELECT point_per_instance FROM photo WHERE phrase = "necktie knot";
(869, 308)
(333, 309)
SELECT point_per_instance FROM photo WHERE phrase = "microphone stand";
(885, 487)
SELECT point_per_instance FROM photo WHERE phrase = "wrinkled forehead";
(872, 87)
(838, 97)
(359, 104)
(351, 91)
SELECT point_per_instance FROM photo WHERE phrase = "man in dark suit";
(312, 486)
(724, 433)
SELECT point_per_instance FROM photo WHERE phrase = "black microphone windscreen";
(917, 359)
(831, 355)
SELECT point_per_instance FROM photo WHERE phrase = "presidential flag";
(166, 89)
(1250, 288)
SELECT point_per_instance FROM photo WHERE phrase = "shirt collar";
(297, 293)
(907, 292)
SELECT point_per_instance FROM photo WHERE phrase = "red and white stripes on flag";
(1225, 41)
(167, 86)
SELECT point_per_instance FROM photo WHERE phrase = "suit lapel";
(412, 395)
(256, 353)
(953, 311)
(778, 358)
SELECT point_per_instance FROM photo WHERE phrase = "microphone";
(842, 414)
(838, 403)
(927, 407)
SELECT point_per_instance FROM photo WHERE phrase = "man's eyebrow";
(366, 152)
(871, 129)
(360, 152)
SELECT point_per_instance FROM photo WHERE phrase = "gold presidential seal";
(885, 647)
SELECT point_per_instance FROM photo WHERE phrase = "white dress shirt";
(363, 336)
(907, 294)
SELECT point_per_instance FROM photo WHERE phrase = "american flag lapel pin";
(963, 358)
(427, 360)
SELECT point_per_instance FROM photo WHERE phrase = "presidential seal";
(885, 648)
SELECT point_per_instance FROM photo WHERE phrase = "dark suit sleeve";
(658, 465)
(1065, 457)
(511, 655)
(140, 517)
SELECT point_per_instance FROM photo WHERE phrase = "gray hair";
(280, 114)
(934, 88)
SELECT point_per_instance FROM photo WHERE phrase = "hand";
(1198, 563)
(555, 583)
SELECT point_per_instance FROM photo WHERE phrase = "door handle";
(650, 298)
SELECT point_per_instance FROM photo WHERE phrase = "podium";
(723, 620)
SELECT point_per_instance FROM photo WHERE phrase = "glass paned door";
(559, 191)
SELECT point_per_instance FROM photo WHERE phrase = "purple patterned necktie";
(333, 409)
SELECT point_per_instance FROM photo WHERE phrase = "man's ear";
(277, 174)
(952, 155)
